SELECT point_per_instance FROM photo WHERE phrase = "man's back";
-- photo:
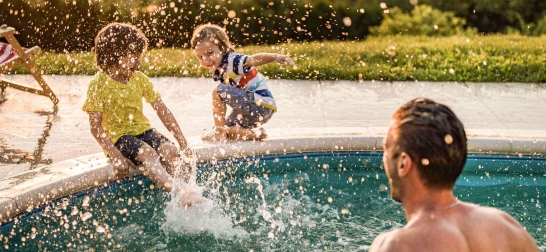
(465, 227)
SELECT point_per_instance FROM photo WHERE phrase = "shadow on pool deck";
(31, 134)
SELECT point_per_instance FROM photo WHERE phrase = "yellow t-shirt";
(121, 104)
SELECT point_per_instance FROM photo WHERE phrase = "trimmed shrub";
(423, 20)
(540, 27)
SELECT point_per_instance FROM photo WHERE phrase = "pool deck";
(47, 152)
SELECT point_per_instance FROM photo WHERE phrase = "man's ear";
(405, 164)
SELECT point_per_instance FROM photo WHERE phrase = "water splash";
(203, 217)
(263, 210)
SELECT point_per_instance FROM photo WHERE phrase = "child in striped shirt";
(241, 86)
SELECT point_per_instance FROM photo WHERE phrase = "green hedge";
(70, 25)
(423, 20)
(499, 58)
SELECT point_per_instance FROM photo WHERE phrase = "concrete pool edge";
(37, 187)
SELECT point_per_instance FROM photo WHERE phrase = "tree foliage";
(72, 24)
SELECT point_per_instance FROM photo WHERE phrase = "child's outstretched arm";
(266, 58)
(120, 163)
(170, 123)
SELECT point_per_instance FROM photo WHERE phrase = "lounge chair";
(13, 55)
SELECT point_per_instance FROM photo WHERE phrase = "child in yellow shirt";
(114, 104)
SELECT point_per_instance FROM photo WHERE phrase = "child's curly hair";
(117, 40)
(215, 34)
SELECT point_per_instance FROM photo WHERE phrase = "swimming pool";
(314, 201)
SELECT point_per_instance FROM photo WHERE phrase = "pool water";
(301, 202)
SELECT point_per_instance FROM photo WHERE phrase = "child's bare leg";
(219, 115)
(240, 133)
(153, 168)
(170, 156)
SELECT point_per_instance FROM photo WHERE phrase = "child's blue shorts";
(245, 112)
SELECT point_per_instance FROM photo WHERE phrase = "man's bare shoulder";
(504, 226)
(389, 241)
(493, 215)
(416, 237)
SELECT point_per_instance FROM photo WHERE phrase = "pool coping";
(32, 189)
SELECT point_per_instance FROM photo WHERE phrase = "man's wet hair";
(117, 40)
(432, 135)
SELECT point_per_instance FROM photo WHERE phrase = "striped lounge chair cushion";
(7, 53)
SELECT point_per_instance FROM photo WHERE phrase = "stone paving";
(32, 134)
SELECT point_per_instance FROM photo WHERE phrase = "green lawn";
(498, 58)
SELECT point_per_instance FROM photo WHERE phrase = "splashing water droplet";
(449, 139)
(425, 161)
(101, 229)
(232, 14)
(347, 21)
(74, 211)
(86, 216)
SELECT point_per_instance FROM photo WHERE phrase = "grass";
(497, 58)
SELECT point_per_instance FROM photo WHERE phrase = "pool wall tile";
(240, 149)
(348, 143)
(489, 146)
(43, 192)
(528, 147)
(7, 208)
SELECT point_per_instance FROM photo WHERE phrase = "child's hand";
(284, 60)
(121, 166)
(188, 152)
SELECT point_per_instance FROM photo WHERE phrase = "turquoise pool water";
(305, 202)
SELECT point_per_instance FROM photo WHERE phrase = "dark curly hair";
(115, 41)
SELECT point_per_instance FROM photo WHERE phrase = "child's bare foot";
(188, 195)
(241, 133)
(191, 199)
(260, 134)
(216, 134)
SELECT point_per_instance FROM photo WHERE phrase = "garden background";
(464, 40)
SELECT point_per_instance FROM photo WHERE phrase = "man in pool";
(425, 151)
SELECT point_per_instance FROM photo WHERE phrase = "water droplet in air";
(232, 14)
(101, 229)
(449, 139)
(86, 216)
(425, 161)
(347, 21)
